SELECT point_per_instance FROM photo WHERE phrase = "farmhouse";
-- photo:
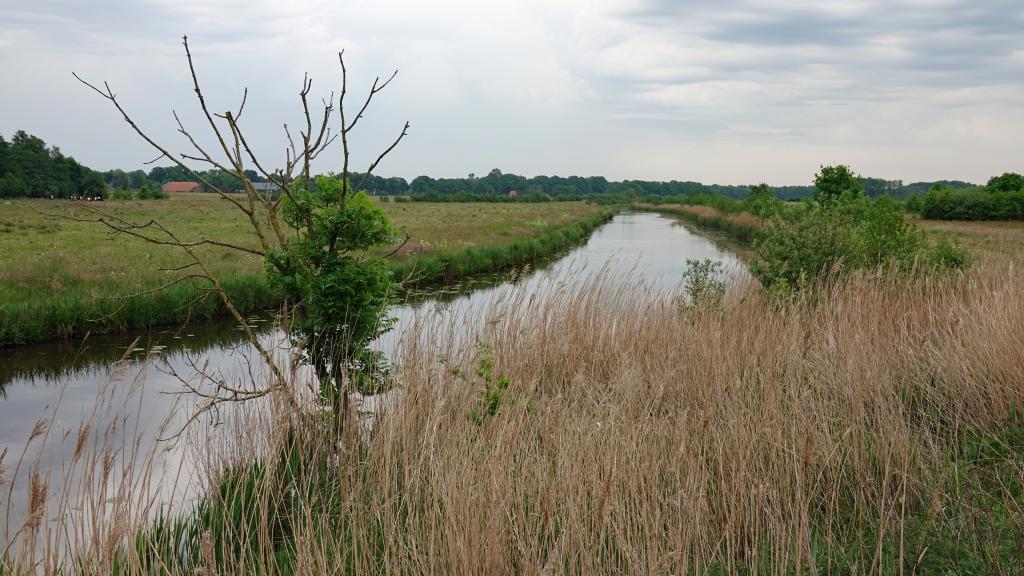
(182, 187)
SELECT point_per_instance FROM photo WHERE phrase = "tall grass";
(741, 226)
(73, 314)
(872, 426)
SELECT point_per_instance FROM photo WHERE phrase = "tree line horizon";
(28, 168)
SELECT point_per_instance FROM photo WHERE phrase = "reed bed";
(868, 427)
(742, 226)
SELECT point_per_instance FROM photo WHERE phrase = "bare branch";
(121, 226)
(174, 282)
(373, 91)
(344, 133)
(109, 95)
(405, 240)
(405, 130)
(206, 157)
(202, 100)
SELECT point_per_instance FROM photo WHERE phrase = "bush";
(762, 202)
(973, 204)
(122, 194)
(847, 232)
(703, 282)
(148, 192)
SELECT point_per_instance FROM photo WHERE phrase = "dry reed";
(636, 436)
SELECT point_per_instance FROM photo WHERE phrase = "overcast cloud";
(721, 91)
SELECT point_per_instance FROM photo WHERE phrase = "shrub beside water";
(841, 232)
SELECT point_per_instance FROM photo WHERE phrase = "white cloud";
(624, 88)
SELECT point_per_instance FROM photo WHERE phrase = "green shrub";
(122, 194)
(148, 192)
(846, 231)
(973, 204)
(762, 202)
(703, 282)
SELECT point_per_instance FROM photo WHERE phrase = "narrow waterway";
(138, 375)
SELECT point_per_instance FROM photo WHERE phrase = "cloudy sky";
(723, 91)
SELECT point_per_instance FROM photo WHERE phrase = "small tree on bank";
(315, 235)
(843, 231)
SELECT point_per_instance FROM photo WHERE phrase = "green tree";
(1008, 182)
(762, 201)
(122, 194)
(318, 239)
(848, 231)
(914, 204)
(835, 182)
(32, 169)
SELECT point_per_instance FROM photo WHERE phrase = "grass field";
(981, 237)
(55, 273)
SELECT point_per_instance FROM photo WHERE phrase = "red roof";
(182, 187)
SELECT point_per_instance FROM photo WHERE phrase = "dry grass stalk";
(638, 437)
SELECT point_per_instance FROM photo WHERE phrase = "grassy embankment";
(739, 226)
(60, 278)
(870, 427)
(981, 238)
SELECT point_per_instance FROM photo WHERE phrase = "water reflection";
(63, 381)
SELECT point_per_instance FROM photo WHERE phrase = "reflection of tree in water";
(719, 239)
(50, 362)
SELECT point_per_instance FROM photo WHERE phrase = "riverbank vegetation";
(853, 407)
(59, 277)
(1001, 199)
(837, 231)
(871, 425)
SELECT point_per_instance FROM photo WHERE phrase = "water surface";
(139, 374)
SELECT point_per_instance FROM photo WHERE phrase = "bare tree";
(301, 229)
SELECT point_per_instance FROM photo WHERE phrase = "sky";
(717, 91)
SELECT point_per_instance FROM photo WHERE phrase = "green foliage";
(834, 183)
(1008, 182)
(762, 201)
(945, 253)
(914, 204)
(29, 168)
(495, 390)
(997, 203)
(703, 282)
(842, 232)
(150, 192)
(342, 292)
(122, 194)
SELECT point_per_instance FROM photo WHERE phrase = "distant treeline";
(160, 175)
(498, 186)
(1001, 199)
(29, 168)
